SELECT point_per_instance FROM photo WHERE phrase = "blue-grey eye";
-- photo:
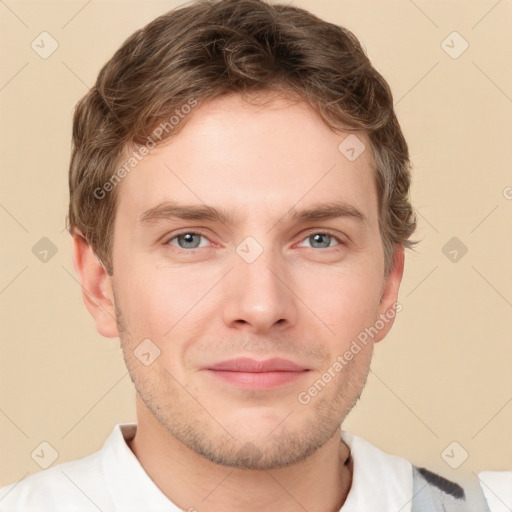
(188, 240)
(322, 239)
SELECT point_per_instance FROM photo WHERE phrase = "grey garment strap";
(433, 493)
(476, 501)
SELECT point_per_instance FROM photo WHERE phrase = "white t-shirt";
(113, 480)
(497, 487)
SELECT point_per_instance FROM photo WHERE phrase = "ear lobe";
(96, 287)
(389, 297)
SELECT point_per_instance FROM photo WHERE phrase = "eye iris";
(189, 242)
(322, 238)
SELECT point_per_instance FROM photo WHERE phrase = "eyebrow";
(316, 212)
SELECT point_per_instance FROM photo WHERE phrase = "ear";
(96, 287)
(389, 305)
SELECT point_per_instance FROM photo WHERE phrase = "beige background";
(444, 372)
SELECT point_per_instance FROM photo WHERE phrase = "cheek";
(346, 299)
(146, 302)
(157, 300)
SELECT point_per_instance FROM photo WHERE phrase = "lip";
(246, 364)
(251, 374)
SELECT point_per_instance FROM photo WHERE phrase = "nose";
(259, 296)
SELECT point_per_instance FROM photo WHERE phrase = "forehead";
(266, 158)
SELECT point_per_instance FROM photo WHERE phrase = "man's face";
(261, 283)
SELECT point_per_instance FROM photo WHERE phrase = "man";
(239, 209)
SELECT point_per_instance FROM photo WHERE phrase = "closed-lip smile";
(249, 373)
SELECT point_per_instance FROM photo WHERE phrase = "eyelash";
(193, 250)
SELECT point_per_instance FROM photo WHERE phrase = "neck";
(319, 483)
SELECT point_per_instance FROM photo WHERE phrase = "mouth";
(249, 373)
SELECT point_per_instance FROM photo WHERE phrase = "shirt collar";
(129, 485)
(388, 477)
(380, 481)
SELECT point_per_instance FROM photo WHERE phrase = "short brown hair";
(210, 48)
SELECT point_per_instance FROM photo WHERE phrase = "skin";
(301, 299)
